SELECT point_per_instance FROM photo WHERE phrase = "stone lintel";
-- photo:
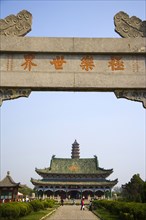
(30, 63)
(73, 45)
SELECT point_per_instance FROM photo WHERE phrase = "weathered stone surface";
(73, 45)
(103, 67)
(18, 25)
(129, 26)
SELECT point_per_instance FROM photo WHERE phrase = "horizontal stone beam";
(72, 64)
(73, 45)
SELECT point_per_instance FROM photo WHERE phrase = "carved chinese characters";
(28, 64)
(58, 62)
(116, 63)
(87, 63)
(69, 63)
(71, 71)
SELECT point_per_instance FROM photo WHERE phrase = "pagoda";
(73, 177)
(8, 189)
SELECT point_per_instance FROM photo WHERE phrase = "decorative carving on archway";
(8, 94)
(127, 26)
(18, 25)
(134, 95)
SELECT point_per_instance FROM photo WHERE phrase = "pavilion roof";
(74, 166)
(8, 181)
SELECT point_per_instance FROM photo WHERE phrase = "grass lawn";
(37, 215)
(105, 215)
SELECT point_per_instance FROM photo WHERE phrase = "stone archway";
(74, 64)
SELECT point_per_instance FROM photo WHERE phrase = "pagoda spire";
(75, 150)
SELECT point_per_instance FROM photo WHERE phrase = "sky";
(47, 123)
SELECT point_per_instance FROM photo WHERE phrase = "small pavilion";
(74, 177)
(8, 189)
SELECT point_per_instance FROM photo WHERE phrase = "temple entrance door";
(74, 194)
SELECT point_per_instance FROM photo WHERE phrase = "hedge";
(37, 205)
(50, 203)
(10, 211)
(125, 210)
(14, 210)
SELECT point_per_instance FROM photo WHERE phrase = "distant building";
(8, 189)
(73, 177)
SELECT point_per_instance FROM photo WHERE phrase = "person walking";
(82, 204)
(90, 206)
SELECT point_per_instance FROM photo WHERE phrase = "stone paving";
(72, 212)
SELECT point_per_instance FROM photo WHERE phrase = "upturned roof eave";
(9, 186)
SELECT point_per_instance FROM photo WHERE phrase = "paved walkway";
(72, 212)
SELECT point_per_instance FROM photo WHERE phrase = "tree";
(26, 190)
(117, 190)
(134, 190)
(116, 193)
(144, 193)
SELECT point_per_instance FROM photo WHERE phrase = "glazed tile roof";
(8, 182)
(74, 166)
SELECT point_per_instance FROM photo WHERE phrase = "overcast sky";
(47, 123)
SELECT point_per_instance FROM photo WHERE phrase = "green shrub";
(10, 211)
(126, 216)
(45, 204)
(50, 202)
(139, 211)
(0, 210)
(14, 210)
(37, 205)
(25, 208)
(127, 210)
